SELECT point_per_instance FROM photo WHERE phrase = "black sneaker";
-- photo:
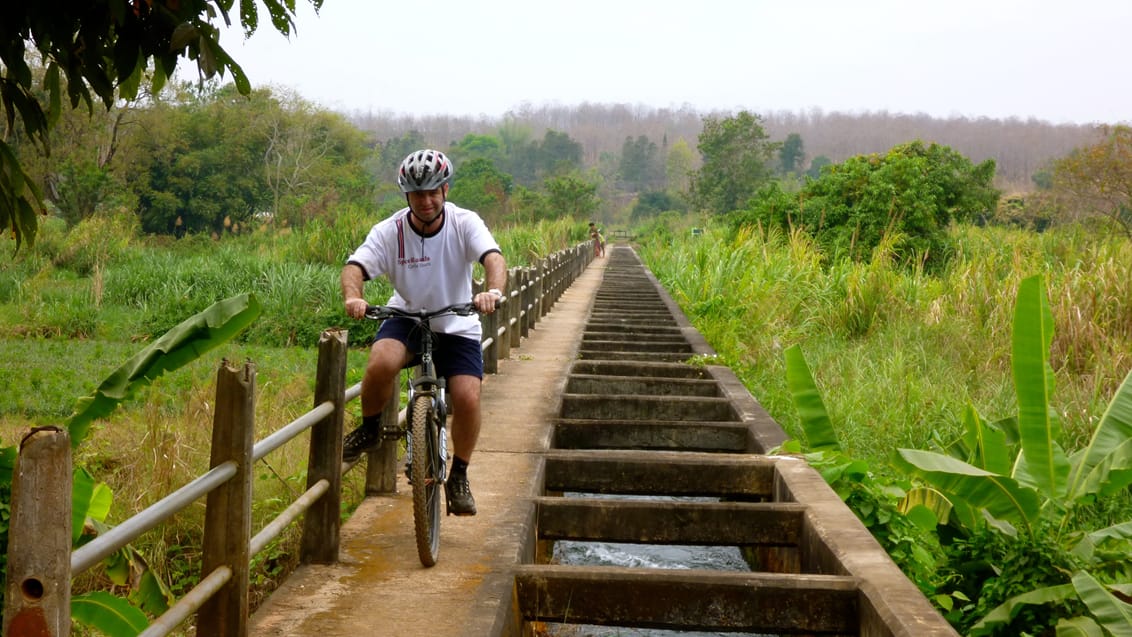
(460, 500)
(359, 441)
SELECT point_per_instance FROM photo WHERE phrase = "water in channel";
(720, 558)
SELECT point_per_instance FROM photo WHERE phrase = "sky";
(1061, 61)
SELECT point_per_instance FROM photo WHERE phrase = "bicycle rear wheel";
(425, 474)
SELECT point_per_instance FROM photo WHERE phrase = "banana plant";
(1013, 477)
(184, 343)
(873, 498)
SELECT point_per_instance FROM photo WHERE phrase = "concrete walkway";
(379, 587)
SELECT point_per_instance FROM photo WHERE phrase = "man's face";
(428, 204)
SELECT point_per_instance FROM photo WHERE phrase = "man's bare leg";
(386, 359)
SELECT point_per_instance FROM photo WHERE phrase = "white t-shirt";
(429, 272)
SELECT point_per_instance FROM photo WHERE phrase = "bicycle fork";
(435, 389)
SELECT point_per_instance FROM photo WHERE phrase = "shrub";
(914, 192)
(97, 240)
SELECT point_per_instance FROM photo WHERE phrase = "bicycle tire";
(427, 487)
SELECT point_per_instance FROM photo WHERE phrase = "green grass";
(44, 376)
(899, 353)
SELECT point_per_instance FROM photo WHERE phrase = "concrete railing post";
(514, 313)
(525, 303)
(323, 520)
(504, 320)
(552, 281)
(540, 289)
(37, 594)
(228, 520)
(489, 324)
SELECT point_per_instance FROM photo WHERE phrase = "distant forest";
(1020, 148)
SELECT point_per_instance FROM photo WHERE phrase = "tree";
(791, 155)
(678, 167)
(530, 161)
(736, 152)
(816, 166)
(558, 154)
(312, 156)
(394, 151)
(77, 177)
(100, 49)
(571, 196)
(1097, 180)
(653, 203)
(477, 147)
(202, 162)
(640, 167)
(481, 186)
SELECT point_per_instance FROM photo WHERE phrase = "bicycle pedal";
(391, 433)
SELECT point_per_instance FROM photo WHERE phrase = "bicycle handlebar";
(382, 312)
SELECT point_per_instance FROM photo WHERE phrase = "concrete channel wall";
(638, 419)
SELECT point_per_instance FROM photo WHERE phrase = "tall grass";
(524, 245)
(899, 353)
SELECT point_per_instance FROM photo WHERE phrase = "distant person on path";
(599, 241)
(427, 251)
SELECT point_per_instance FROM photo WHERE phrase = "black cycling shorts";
(453, 355)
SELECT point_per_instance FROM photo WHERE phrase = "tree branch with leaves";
(101, 50)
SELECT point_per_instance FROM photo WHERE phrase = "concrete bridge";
(601, 407)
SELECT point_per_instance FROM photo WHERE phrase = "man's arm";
(495, 278)
(353, 279)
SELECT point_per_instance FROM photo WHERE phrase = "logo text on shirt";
(414, 262)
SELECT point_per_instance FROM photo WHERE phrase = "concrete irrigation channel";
(646, 413)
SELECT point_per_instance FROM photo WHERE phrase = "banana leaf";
(1113, 615)
(929, 498)
(90, 500)
(1001, 496)
(1007, 610)
(1079, 627)
(1089, 542)
(7, 464)
(110, 615)
(986, 442)
(1105, 465)
(181, 345)
(820, 434)
(1033, 384)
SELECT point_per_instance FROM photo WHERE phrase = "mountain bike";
(426, 435)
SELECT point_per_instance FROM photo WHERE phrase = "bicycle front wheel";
(425, 474)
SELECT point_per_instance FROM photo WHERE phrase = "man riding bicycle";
(427, 251)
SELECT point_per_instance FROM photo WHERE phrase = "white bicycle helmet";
(424, 170)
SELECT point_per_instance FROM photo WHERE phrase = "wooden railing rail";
(41, 563)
